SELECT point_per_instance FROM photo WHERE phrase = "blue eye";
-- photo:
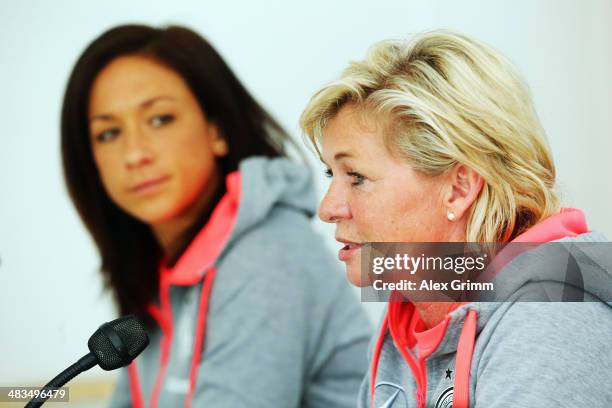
(107, 135)
(161, 120)
(328, 173)
(358, 179)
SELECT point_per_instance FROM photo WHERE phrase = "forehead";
(353, 129)
(127, 81)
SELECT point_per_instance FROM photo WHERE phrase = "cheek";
(109, 170)
(394, 215)
(188, 145)
(192, 163)
(370, 221)
(386, 215)
(192, 154)
(194, 177)
(417, 217)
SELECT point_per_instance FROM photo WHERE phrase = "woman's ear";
(464, 186)
(219, 145)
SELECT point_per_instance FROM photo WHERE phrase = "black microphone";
(115, 344)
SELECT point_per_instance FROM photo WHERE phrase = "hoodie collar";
(465, 321)
(205, 248)
(259, 185)
(569, 222)
(269, 183)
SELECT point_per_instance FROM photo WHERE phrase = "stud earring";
(451, 216)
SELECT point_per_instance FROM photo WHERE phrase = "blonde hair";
(452, 99)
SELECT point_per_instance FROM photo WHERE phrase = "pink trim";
(210, 241)
(427, 340)
(569, 222)
(155, 313)
(166, 340)
(135, 389)
(135, 386)
(399, 322)
(417, 366)
(463, 362)
(198, 348)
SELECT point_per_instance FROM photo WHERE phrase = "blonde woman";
(437, 140)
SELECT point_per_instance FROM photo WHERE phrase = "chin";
(353, 275)
(155, 215)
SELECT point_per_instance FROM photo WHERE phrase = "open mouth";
(348, 251)
(352, 246)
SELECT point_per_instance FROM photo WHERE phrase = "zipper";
(422, 390)
(420, 399)
(420, 374)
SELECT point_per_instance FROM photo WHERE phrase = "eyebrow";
(338, 156)
(343, 155)
(145, 104)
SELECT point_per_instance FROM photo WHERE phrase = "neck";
(177, 232)
(432, 313)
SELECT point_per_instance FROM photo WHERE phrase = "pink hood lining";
(210, 241)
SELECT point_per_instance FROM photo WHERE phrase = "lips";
(150, 185)
(349, 249)
(352, 245)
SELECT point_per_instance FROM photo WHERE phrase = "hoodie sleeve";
(284, 330)
(548, 354)
(363, 398)
(339, 359)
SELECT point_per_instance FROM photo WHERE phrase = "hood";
(267, 183)
(577, 260)
(259, 185)
(574, 269)
(558, 259)
(577, 257)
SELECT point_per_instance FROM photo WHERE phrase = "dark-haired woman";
(203, 227)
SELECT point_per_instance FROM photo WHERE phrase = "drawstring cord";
(164, 320)
(463, 362)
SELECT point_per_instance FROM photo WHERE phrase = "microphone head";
(116, 343)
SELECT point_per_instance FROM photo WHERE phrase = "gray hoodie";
(256, 313)
(515, 353)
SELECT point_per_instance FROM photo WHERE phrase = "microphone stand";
(85, 363)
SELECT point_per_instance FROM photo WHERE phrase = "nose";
(137, 152)
(334, 207)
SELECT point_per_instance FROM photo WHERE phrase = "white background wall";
(50, 292)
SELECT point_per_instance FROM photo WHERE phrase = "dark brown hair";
(130, 254)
